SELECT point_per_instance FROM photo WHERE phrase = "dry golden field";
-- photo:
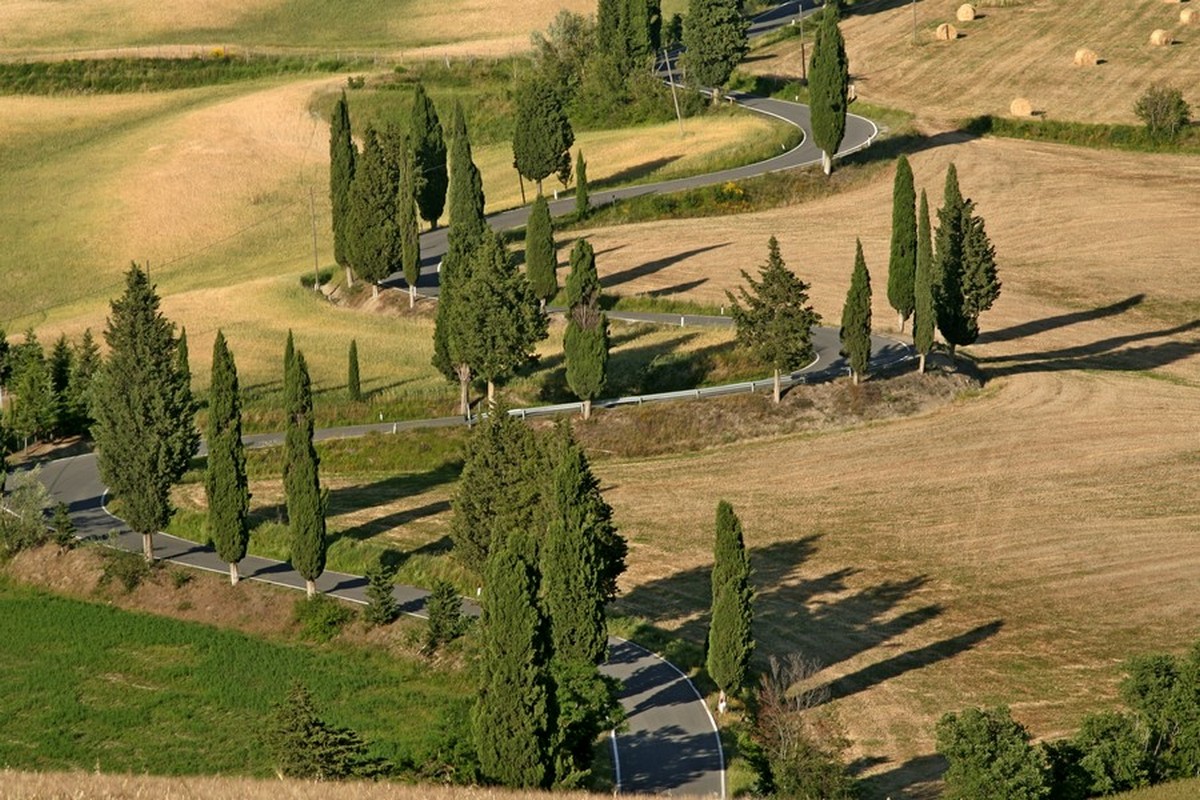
(1022, 50)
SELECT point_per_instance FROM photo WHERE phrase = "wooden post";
(674, 94)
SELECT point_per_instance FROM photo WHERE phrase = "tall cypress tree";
(542, 133)
(410, 233)
(512, 719)
(730, 639)
(776, 321)
(541, 258)
(639, 43)
(924, 319)
(225, 483)
(429, 157)
(856, 318)
(585, 343)
(582, 200)
(353, 383)
(948, 262)
(828, 86)
(609, 36)
(980, 284)
(144, 431)
(902, 263)
(375, 251)
(342, 157)
(500, 316)
(301, 483)
(715, 38)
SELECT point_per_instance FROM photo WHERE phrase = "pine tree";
(954, 316)
(828, 86)
(61, 363)
(924, 319)
(776, 320)
(64, 527)
(225, 483)
(715, 38)
(85, 364)
(980, 284)
(34, 407)
(429, 157)
(541, 258)
(444, 607)
(305, 507)
(382, 608)
(542, 134)
(582, 202)
(512, 721)
(498, 491)
(406, 210)
(585, 343)
(375, 250)
(501, 320)
(902, 263)
(145, 434)
(305, 746)
(342, 157)
(855, 333)
(353, 384)
(730, 640)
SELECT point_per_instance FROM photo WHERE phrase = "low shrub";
(126, 568)
(320, 618)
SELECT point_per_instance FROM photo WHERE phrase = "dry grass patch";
(1010, 48)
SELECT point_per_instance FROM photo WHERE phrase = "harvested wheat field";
(1023, 48)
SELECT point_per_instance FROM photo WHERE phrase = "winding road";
(669, 744)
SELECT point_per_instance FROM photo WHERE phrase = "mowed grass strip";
(88, 686)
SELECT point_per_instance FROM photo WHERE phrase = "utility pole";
(312, 213)
(674, 93)
(803, 54)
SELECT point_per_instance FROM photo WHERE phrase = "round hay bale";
(1189, 16)
(1161, 38)
(965, 13)
(1086, 58)
(1020, 107)
(946, 32)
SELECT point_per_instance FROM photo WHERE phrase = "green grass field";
(1177, 790)
(88, 686)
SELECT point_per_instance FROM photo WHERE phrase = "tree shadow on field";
(918, 778)
(891, 147)
(633, 173)
(650, 267)
(380, 525)
(1036, 326)
(1113, 354)
(678, 288)
(350, 499)
(631, 371)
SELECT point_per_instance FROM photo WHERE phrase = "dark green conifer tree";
(375, 251)
(715, 38)
(342, 157)
(902, 263)
(61, 362)
(828, 86)
(501, 319)
(639, 39)
(353, 384)
(512, 720)
(445, 615)
(429, 158)
(855, 333)
(144, 430)
(542, 134)
(410, 233)
(63, 525)
(585, 343)
(730, 639)
(541, 257)
(301, 479)
(582, 200)
(776, 320)
(85, 364)
(609, 36)
(33, 410)
(965, 279)
(382, 608)
(225, 483)
(924, 318)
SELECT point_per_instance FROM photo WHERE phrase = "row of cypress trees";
(48, 394)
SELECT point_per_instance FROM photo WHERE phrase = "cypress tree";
(776, 320)
(948, 263)
(923, 313)
(902, 263)
(445, 615)
(429, 157)
(856, 318)
(305, 507)
(382, 608)
(512, 716)
(225, 483)
(585, 343)
(828, 86)
(83, 370)
(375, 252)
(144, 431)
(541, 258)
(609, 37)
(542, 134)
(639, 43)
(582, 201)
(353, 384)
(61, 364)
(730, 640)
(980, 284)
(410, 233)
(500, 317)
(715, 38)
(342, 157)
